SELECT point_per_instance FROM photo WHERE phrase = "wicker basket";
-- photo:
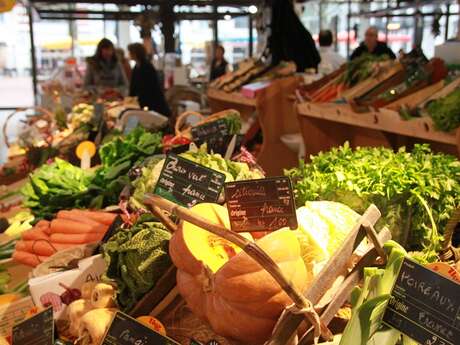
(305, 305)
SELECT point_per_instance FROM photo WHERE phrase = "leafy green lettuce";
(233, 171)
(56, 186)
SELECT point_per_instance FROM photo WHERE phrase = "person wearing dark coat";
(145, 84)
(372, 45)
(219, 65)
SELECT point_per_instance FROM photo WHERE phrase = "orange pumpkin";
(224, 286)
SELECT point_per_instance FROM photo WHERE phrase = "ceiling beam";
(46, 14)
(229, 3)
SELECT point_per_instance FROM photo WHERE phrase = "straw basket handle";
(158, 204)
(448, 251)
(15, 112)
(203, 120)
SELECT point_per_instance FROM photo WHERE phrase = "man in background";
(330, 60)
(372, 45)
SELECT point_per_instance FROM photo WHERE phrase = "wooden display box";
(327, 125)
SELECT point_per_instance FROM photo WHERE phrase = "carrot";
(42, 224)
(98, 216)
(28, 259)
(41, 247)
(35, 234)
(76, 216)
(66, 226)
(76, 238)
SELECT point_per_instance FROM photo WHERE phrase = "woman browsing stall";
(104, 72)
(145, 83)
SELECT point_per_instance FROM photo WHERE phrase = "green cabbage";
(137, 258)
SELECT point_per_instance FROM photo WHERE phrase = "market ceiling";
(68, 9)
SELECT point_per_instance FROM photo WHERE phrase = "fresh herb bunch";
(416, 191)
(361, 68)
(233, 122)
(118, 157)
(445, 111)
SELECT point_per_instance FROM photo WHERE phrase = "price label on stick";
(261, 205)
(187, 183)
(37, 330)
(424, 305)
(124, 330)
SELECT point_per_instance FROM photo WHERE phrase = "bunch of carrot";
(68, 229)
(328, 93)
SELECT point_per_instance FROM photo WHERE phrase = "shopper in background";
(219, 65)
(145, 83)
(124, 62)
(104, 72)
(330, 60)
(372, 45)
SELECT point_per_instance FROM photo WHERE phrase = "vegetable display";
(136, 259)
(226, 287)
(233, 171)
(370, 300)
(56, 186)
(416, 191)
(445, 111)
(118, 156)
(67, 230)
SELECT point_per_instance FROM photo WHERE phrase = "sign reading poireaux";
(37, 330)
(425, 306)
(261, 205)
(124, 330)
(187, 183)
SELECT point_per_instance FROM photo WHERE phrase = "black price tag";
(425, 306)
(220, 143)
(124, 330)
(218, 127)
(261, 205)
(37, 330)
(187, 183)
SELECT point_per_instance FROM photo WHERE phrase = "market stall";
(267, 102)
(374, 102)
(137, 240)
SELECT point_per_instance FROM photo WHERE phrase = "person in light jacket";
(330, 60)
(104, 72)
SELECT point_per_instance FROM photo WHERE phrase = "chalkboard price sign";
(124, 330)
(218, 127)
(187, 183)
(425, 306)
(261, 205)
(37, 330)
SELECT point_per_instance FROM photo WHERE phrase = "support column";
(215, 30)
(251, 37)
(348, 27)
(33, 55)
(167, 28)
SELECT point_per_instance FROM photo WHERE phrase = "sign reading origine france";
(425, 306)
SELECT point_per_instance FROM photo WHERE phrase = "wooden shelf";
(233, 97)
(382, 120)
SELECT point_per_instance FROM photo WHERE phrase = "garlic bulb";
(94, 324)
(103, 296)
(75, 312)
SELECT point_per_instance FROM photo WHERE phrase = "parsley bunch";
(416, 191)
